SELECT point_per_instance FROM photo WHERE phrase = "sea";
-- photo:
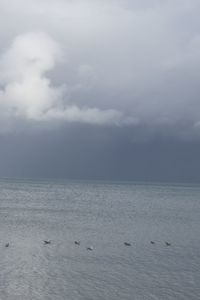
(159, 222)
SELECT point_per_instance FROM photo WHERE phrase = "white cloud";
(28, 92)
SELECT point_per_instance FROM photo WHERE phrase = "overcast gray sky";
(103, 89)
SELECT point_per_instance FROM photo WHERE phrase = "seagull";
(127, 244)
(77, 243)
(167, 244)
(7, 245)
(47, 242)
(90, 248)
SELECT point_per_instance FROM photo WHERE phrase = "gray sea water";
(102, 215)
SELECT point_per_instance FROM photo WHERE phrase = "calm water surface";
(102, 215)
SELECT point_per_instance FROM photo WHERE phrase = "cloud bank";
(127, 62)
(28, 92)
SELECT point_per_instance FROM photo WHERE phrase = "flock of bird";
(90, 248)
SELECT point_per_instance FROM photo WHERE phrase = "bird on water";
(167, 244)
(47, 242)
(90, 248)
(127, 244)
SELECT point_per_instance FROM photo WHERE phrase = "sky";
(100, 89)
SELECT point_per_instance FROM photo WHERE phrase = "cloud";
(28, 92)
(128, 62)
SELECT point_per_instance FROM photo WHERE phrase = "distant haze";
(101, 89)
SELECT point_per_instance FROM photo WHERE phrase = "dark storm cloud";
(85, 152)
